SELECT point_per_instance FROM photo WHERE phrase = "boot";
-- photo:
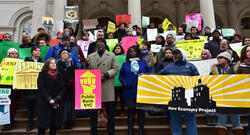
(221, 130)
(131, 118)
(238, 131)
(7, 127)
(141, 118)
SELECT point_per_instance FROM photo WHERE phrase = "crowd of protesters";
(55, 94)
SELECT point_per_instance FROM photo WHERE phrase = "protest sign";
(88, 89)
(111, 44)
(4, 114)
(165, 24)
(26, 74)
(179, 37)
(54, 42)
(47, 21)
(84, 46)
(227, 32)
(128, 42)
(155, 48)
(204, 94)
(111, 27)
(26, 52)
(193, 20)
(89, 23)
(139, 41)
(71, 14)
(7, 69)
(123, 19)
(204, 66)
(4, 96)
(172, 32)
(151, 34)
(120, 59)
(1, 35)
(236, 47)
(145, 21)
(5, 46)
(205, 38)
(192, 47)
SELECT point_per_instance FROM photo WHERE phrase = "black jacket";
(119, 34)
(93, 48)
(27, 45)
(49, 89)
(214, 47)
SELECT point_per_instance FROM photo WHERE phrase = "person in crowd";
(7, 37)
(170, 27)
(207, 32)
(39, 30)
(73, 32)
(247, 41)
(134, 29)
(129, 73)
(54, 51)
(85, 36)
(180, 31)
(105, 61)
(151, 25)
(214, 45)
(42, 43)
(50, 98)
(121, 32)
(166, 60)
(160, 29)
(237, 38)
(67, 68)
(76, 48)
(205, 54)
(147, 55)
(129, 32)
(194, 31)
(121, 58)
(59, 35)
(26, 42)
(224, 46)
(12, 53)
(93, 46)
(160, 40)
(170, 44)
(184, 27)
(110, 35)
(181, 67)
(66, 31)
(225, 66)
(30, 96)
(138, 32)
(188, 36)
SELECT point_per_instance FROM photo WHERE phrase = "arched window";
(27, 26)
(245, 23)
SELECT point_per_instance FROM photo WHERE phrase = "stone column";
(180, 9)
(39, 8)
(233, 20)
(207, 11)
(134, 9)
(58, 9)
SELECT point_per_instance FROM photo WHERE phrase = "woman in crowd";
(121, 58)
(168, 59)
(225, 66)
(67, 68)
(160, 40)
(188, 36)
(12, 53)
(237, 38)
(31, 95)
(129, 73)
(110, 35)
(205, 54)
(147, 55)
(50, 98)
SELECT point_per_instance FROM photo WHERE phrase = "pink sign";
(128, 42)
(191, 18)
(88, 89)
(84, 46)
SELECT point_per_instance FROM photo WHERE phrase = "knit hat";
(209, 56)
(226, 55)
(65, 38)
(216, 31)
(11, 50)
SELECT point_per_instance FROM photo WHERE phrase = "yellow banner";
(165, 24)
(205, 91)
(192, 47)
(7, 69)
(111, 27)
(26, 74)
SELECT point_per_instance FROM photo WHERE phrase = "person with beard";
(170, 44)
(181, 67)
(214, 45)
(26, 42)
(224, 46)
(160, 40)
(121, 32)
(105, 61)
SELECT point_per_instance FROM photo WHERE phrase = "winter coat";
(217, 69)
(30, 94)
(29, 45)
(49, 89)
(93, 48)
(130, 79)
(164, 62)
(54, 52)
(149, 58)
(214, 47)
(119, 34)
(162, 51)
(68, 74)
(242, 68)
(108, 65)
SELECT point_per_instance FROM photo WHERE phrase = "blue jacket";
(129, 79)
(54, 52)
(180, 68)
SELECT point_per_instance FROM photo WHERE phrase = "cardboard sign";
(236, 47)
(151, 34)
(193, 20)
(4, 114)
(47, 21)
(228, 32)
(192, 47)
(180, 37)
(26, 75)
(145, 21)
(71, 14)
(155, 48)
(88, 89)
(123, 19)
(120, 59)
(84, 46)
(204, 70)
(4, 96)
(172, 32)
(128, 42)
(166, 23)
(89, 23)
(204, 94)
(54, 42)
(111, 27)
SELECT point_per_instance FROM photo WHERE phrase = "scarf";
(53, 75)
(67, 62)
(144, 52)
(134, 65)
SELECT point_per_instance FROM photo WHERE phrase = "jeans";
(222, 120)
(176, 123)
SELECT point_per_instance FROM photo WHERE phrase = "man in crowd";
(170, 44)
(26, 42)
(93, 46)
(214, 45)
(247, 41)
(224, 46)
(7, 37)
(105, 61)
